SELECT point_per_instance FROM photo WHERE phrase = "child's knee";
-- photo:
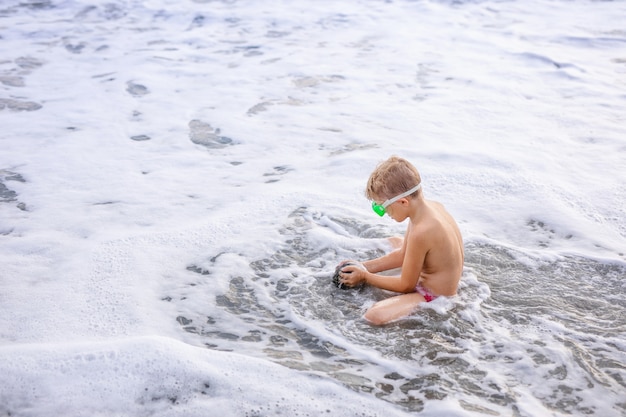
(396, 241)
(375, 316)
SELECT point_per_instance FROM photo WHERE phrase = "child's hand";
(351, 273)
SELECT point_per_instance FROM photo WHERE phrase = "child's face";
(391, 209)
(381, 208)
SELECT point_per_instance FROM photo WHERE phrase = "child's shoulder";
(431, 220)
(435, 205)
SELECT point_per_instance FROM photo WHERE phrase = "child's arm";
(413, 254)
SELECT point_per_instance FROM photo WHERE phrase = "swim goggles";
(380, 209)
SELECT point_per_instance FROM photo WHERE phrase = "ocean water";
(178, 180)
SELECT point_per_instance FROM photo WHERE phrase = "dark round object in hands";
(337, 278)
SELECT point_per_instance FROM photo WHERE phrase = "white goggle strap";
(398, 197)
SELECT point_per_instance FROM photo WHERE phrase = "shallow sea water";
(521, 328)
(178, 180)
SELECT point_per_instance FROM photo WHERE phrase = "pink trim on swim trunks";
(426, 293)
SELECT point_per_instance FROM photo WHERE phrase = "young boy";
(431, 253)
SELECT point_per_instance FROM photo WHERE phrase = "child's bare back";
(443, 263)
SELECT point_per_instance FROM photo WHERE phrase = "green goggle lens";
(378, 209)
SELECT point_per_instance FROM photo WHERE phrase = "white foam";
(159, 375)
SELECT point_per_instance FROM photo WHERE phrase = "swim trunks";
(425, 292)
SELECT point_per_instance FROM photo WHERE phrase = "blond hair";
(392, 177)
